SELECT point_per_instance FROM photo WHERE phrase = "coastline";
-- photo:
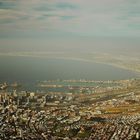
(137, 71)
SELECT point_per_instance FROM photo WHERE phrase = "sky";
(69, 25)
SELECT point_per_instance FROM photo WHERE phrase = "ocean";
(29, 70)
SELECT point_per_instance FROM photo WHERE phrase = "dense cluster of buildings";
(34, 116)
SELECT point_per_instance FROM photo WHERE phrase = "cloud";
(89, 18)
(8, 5)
